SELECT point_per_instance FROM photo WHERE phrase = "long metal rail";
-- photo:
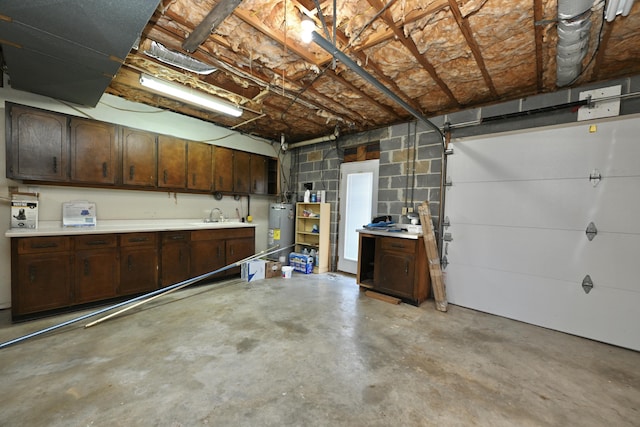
(157, 292)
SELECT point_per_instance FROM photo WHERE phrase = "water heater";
(281, 229)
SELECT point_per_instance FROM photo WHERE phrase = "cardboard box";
(253, 270)
(79, 213)
(24, 211)
(273, 269)
(301, 263)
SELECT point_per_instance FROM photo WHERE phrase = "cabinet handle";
(132, 171)
(397, 246)
(96, 243)
(104, 169)
(220, 181)
(165, 174)
(55, 164)
(232, 251)
(255, 184)
(129, 263)
(178, 237)
(218, 251)
(32, 273)
(43, 245)
(138, 239)
(86, 267)
(406, 268)
(180, 256)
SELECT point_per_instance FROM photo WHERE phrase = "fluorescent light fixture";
(189, 95)
(307, 26)
(618, 7)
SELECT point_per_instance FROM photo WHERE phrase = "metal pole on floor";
(140, 297)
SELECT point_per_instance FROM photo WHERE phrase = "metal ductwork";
(574, 25)
(69, 50)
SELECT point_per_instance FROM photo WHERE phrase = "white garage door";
(519, 206)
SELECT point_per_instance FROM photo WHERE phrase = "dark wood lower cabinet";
(175, 260)
(59, 272)
(138, 263)
(394, 266)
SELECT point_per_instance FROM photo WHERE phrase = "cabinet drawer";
(176, 236)
(398, 244)
(222, 233)
(95, 241)
(138, 239)
(30, 245)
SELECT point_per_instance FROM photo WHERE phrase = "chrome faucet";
(216, 215)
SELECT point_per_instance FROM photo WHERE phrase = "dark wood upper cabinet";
(241, 172)
(51, 147)
(199, 166)
(258, 174)
(223, 169)
(138, 158)
(94, 151)
(38, 148)
(172, 162)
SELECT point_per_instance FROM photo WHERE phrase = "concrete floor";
(309, 351)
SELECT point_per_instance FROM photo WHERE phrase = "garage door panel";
(518, 209)
(548, 303)
(557, 204)
(549, 254)
(612, 150)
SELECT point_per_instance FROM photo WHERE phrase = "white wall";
(130, 204)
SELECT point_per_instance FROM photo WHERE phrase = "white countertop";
(400, 234)
(55, 228)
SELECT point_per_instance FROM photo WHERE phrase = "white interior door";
(358, 201)
(519, 208)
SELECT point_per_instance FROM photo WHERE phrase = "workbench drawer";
(398, 245)
(32, 245)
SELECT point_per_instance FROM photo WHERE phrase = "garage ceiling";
(435, 56)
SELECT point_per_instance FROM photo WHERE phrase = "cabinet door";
(96, 275)
(241, 172)
(175, 257)
(93, 152)
(223, 169)
(138, 158)
(199, 166)
(38, 149)
(237, 249)
(172, 162)
(138, 269)
(394, 273)
(207, 256)
(42, 282)
(258, 174)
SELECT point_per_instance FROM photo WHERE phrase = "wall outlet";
(404, 210)
(409, 210)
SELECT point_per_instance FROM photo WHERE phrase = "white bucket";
(287, 271)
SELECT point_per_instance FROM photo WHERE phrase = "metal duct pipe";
(331, 137)
(336, 53)
(574, 25)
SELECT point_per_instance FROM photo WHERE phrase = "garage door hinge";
(445, 262)
(447, 237)
(446, 222)
(591, 231)
(448, 182)
(448, 151)
(595, 177)
(587, 284)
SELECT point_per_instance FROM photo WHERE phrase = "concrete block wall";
(406, 179)
(320, 165)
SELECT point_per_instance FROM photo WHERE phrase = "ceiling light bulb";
(307, 27)
(189, 95)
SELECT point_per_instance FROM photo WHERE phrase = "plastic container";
(287, 271)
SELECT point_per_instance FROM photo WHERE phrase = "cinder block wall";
(319, 165)
(410, 170)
